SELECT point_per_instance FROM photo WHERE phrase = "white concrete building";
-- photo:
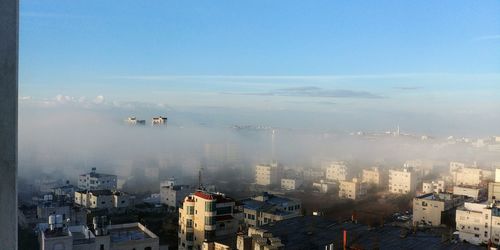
(159, 121)
(402, 181)
(58, 236)
(291, 184)
(268, 174)
(469, 176)
(267, 208)
(436, 186)
(373, 176)
(97, 181)
(324, 186)
(101, 199)
(476, 193)
(455, 166)
(172, 194)
(337, 171)
(478, 223)
(353, 190)
(494, 187)
(311, 174)
(206, 216)
(134, 121)
(431, 209)
(420, 167)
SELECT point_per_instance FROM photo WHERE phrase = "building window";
(209, 206)
(209, 220)
(224, 210)
(189, 236)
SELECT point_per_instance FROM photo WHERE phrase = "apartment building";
(101, 199)
(324, 186)
(291, 184)
(268, 174)
(337, 171)
(402, 181)
(372, 176)
(494, 188)
(102, 237)
(172, 194)
(97, 181)
(159, 121)
(476, 193)
(420, 167)
(312, 174)
(206, 217)
(134, 121)
(435, 209)
(468, 176)
(478, 223)
(266, 208)
(354, 189)
(436, 186)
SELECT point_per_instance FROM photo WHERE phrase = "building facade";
(291, 184)
(354, 189)
(266, 208)
(324, 186)
(437, 186)
(268, 174)
(102, 199)
(337, 171)
(431, 209)
(205, 217)
(97, 181)
(476, 193)
(372, 176)
(159, 121)
(172, 194)
(102, 237)
(134, 121)
(478, 223)
(402, 181)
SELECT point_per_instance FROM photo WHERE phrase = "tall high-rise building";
(206, 217)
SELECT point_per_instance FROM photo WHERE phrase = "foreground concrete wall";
(9, 26)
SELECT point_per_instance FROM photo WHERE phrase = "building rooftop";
(438, 196)
(97, 175)
(57, 232)
(128, 232)
(220, 198)
(314, 232)
(267, 203)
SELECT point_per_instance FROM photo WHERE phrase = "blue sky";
(414, 56)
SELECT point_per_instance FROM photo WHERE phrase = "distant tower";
(273, 156)
(200, 184)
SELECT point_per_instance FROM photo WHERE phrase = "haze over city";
(342, 116)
